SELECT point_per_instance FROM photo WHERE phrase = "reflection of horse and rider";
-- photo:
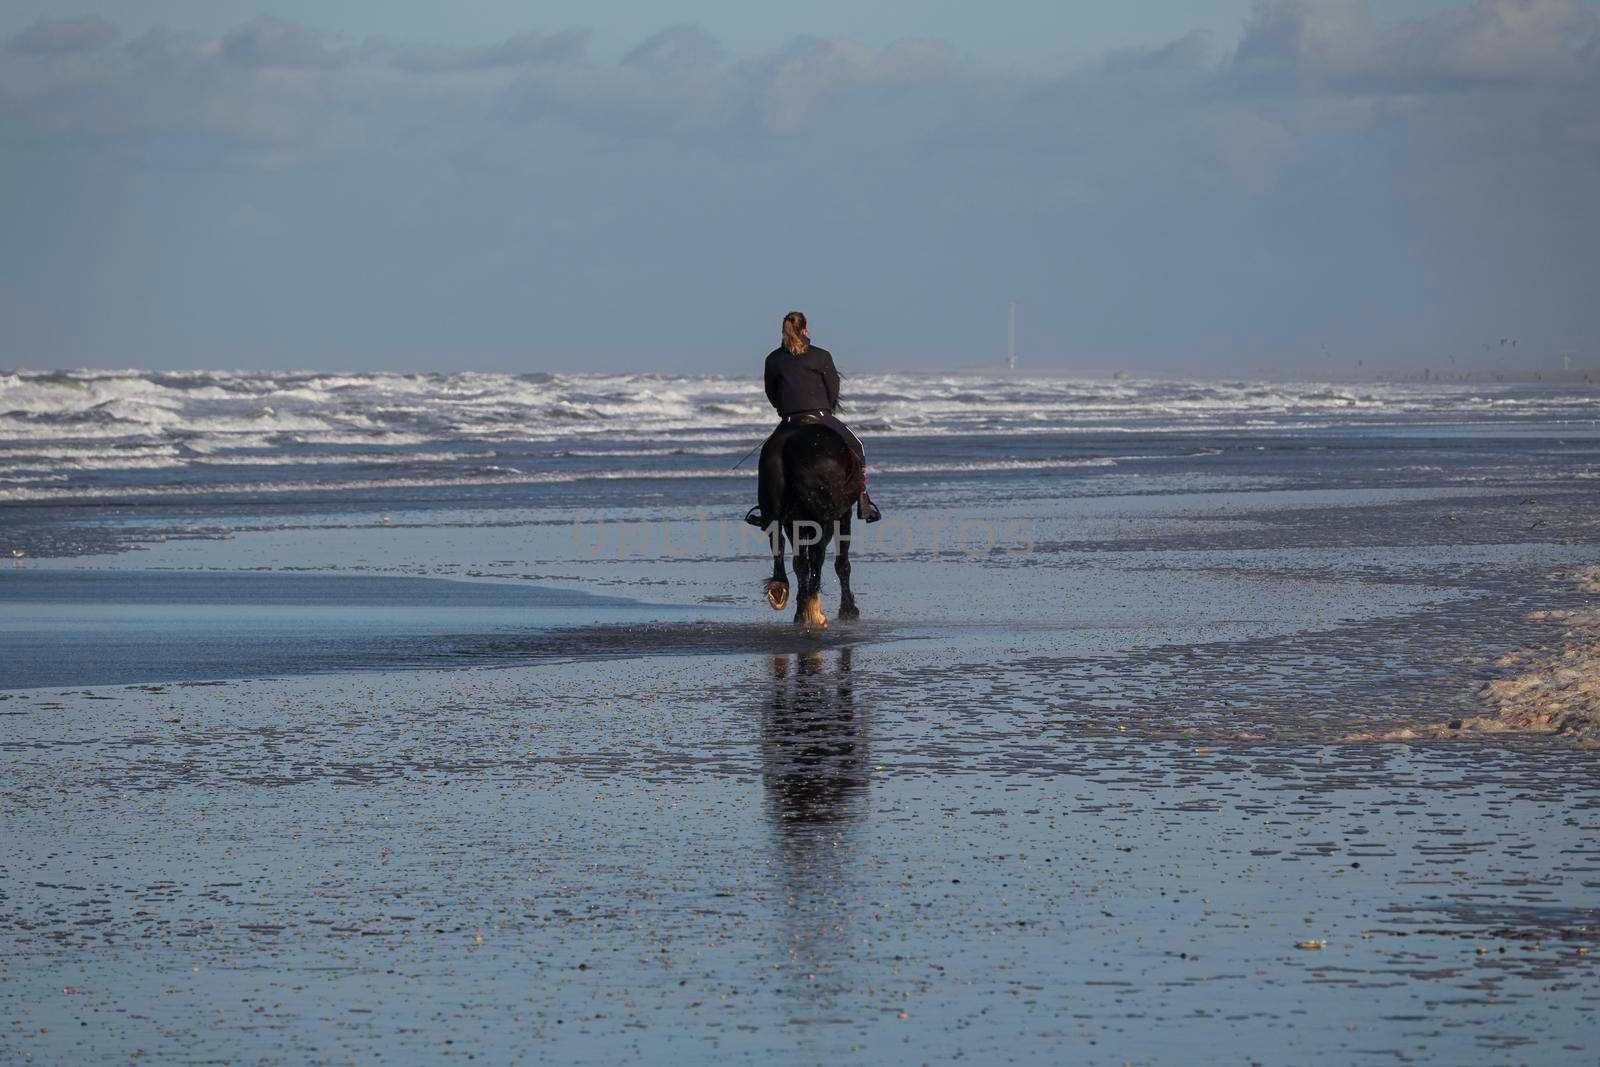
(812, 475)
(816, 773)
(813, 744)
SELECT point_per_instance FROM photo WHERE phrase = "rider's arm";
(773, 384)
(830, 378)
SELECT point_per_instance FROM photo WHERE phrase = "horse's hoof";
(778, 595)
(810, 615)
(850, 614)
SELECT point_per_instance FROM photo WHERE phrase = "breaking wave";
(93, 433)
(493, 475)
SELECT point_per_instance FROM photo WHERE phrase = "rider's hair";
(794, 333)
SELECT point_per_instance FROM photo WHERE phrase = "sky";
(1161, 186)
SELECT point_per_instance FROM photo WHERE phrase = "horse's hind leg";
(778, 584)
(769, 490)
(802, 583)
(808, 597)
(841, 567)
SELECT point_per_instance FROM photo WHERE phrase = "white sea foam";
(610, 453)
(106, 463)
(491, 475)
(168, 456)
(978, 466)
(361, 437)
(326, 459)
(302, 486)
(124, 403)
(226, 442)
(52, 452)
(91, 420)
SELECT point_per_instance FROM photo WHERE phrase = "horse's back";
(820, 472)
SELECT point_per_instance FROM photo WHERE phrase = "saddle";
(804, 418)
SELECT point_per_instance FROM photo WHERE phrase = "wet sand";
(771, 859)
(1095, 802)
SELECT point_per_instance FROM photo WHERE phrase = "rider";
(803, 383)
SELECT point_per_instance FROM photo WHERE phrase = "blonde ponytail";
(794, 333)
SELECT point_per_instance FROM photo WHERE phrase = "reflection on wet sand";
(816, 767)
(813, 744)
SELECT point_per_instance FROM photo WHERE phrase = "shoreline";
(1557, 688)
(1556, 692)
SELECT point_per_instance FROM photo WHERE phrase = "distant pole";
(1011, 347)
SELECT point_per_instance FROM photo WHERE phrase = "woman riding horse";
(803, 386)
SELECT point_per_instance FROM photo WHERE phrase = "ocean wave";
(979, 466)
(665, 450)
(361, 437)
(53, 452)
(325, 459)
(492, 475)
(87, 414)
(157, 458)
(474, 397)
(131, 463)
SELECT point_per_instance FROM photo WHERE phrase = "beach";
(418, 717)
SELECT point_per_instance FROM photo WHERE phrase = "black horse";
(809, 483)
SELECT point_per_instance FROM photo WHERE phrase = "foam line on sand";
(1556, 689)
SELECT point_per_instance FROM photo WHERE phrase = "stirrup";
(755, 518)
(866, 509)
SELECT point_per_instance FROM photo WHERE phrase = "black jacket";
(807, 382)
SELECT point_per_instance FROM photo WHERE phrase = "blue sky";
(1161, 185)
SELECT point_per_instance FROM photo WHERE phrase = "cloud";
(270, 42)
(521, 50)
(1189, 54)
(1334, 46)
(677, 87)
(1397, 184)
(682, 47)
(62, 36)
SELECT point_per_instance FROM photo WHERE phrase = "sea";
(70, 438)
